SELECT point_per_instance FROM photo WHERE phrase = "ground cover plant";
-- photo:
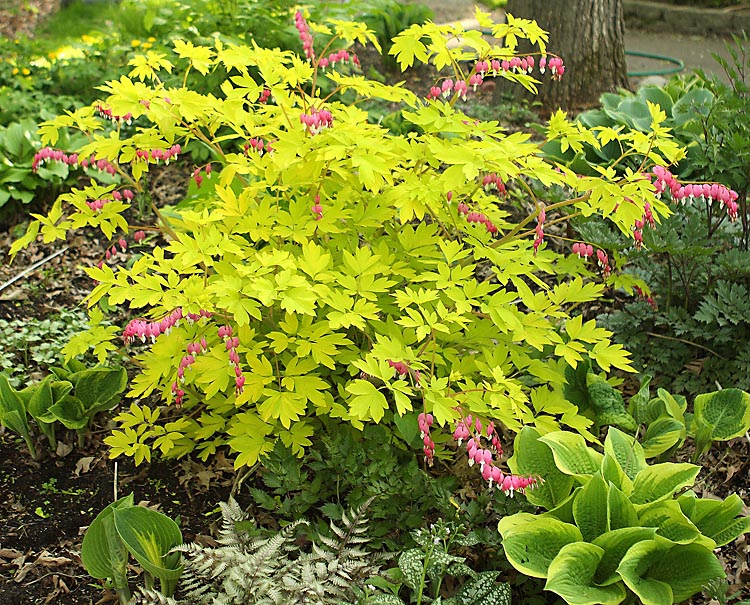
(333, 296)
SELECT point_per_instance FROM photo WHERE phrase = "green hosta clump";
(327, 267)
(615, 527)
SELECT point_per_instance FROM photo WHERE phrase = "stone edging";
(640, 14)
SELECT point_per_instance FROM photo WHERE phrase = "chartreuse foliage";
(391, 271)
(616, 526)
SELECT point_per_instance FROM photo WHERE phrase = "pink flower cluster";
(476, 217)
(340, 56)
(107, 114)
(139, 236)
(264, 95)
(494, 67)
(193, 349)
(258, 145)
(583, 250)
(154, 155)
(664, 181)
(641, 294)
(48, 153)
(316, 120)
(539, 230)
(317, 209)
(448, 88)
(304, 35)
(492, 182)
(113, 250)
(198, 176)
(140, 328)
(425, 422)
(232, 342)
(587, 251)
(97, 205)
(556, 67)
(487, 454)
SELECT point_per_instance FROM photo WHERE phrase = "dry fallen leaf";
(83, 466)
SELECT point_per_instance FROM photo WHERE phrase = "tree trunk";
(589, 36)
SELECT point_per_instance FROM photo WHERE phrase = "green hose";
(667, 71)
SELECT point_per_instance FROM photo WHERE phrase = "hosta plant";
(123, 528)
(323, 266)
(616, 528)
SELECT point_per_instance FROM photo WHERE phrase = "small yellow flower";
(146, 45)
(15, 71)
(135, 43)
(151, 39)
(25, 71)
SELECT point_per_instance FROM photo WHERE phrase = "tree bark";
(589, 35)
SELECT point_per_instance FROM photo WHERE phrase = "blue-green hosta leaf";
(622, 513)
(103, 552)
(572, 455)
(531, 546)
(661, 481)
(12, 409)
(721, 415)
(615, 544)
(695, 104)
(531, 457)
(99, 388)
(662, 435)
(715, 519)
(661, 572)
(571, 575)
(626, 450)
(590, 508)
(671, 523)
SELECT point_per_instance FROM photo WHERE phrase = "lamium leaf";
(572, 455)
(531, 547)
(531, 457)
(661, 481)
(571, 575)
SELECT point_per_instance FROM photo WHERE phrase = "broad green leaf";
(590, 508)
(571, 575)
(659, 573)
(149, 536)
(572, 455)
(622, 513)
(661, 435)
(671, 523)
(532, 550)
(721, 415)
(626, 450)
(615, 544)
(99, 389)
(12, 409)
(661, 481)
(531, 457)
(103, 553)
(716, 519)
